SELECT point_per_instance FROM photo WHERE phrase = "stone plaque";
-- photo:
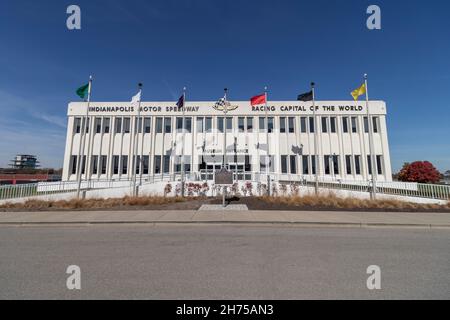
(224, 177)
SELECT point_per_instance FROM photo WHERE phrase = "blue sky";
(207, 45)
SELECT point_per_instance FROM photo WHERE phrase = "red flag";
(257, 100)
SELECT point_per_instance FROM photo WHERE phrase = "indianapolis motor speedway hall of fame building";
(341, 128)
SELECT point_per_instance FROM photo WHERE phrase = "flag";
(358, 92)
(180, 103)
(136, 98)
(308, 96)
(220, 104)
(83, 91)
(257, 100)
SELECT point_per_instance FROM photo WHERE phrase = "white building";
(343, 141)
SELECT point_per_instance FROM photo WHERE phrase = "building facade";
(113, 133)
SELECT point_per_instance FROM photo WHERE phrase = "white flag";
(136, 98)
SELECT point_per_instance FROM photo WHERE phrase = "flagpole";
(267, 141)
(182, 147)
(316, 144)
(83, 140)
(225, 110)
(135, 141)
(371, 144)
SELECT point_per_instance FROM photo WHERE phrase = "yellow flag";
(358, 92)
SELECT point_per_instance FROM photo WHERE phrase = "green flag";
(82, 92)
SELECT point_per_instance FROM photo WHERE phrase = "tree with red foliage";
(419, 171)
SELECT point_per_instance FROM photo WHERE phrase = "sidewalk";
(293, 218)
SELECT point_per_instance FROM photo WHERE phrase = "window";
(333, 124)
(284, 164)
(291, 121)
(241, 124)
(137, 165)
(145, 163)
(138, 125)
(73, 164)
(200, 125)
(380, 164)
(366, 125)
(282, 124)
(103, 164)
(335, 159)
(357, 164)
(249, 124)
(305, 164)
(247, 163)
(354, 125)
(115, 164)
(327, 164)
(348, 164)
(83, 165)
(77, 125)
(188, 124)
(369, 164)
(324, 125)
(263, 159)
(375, 124)
(270, 125)
(208, 124)
(118, 125)
(179, 124)
(293, 164)
(98, 125)
(167, 125)
(126, 125)
(220, 125)
(229, 124)
(159, 126)
(106, 125)
(147, 125)
(124, 164)
(87, 124)
(157, 164)
(94, 164)
(262, 123)
(313, 164)
(311, 124)
(303, 124)
(166, 164)
(345, 124)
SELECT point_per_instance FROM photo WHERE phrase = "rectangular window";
(375, 124)
(348, 164)
(115, 164)
(357, 164)
(94, 164)
(179, 124)
(313, 164)
(369, 164)
(327, 164)
(305, 164)
(200, 125)
(126, 125)
(137, 165)
(262, 124)
(335, 164)
(124, 164)
(303, 124)
(366, 125)
(188, 124)
(311, 125)
(345, 124)
(73, 164)
(83, 165)
(380, 164)
(282, 124)
(118, 125)
(249, 124)
(220, 124)
(284, 164)
(159, 125)
(354, 125)
(247, 163)
(103, 164)
(166, 164)
(88, 121)
(106, 125)
(208, 124)
(333, 124)
(229, 124)
(324, 125)
(270, 125)
(167, 125)
(241, 124)
(147, 124)
(157, 164)
(145, 164)
(293, 164)
(77, 125)
(291, 124)
(138, 125)
(98, 125)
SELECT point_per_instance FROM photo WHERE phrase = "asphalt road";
(223, 262)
